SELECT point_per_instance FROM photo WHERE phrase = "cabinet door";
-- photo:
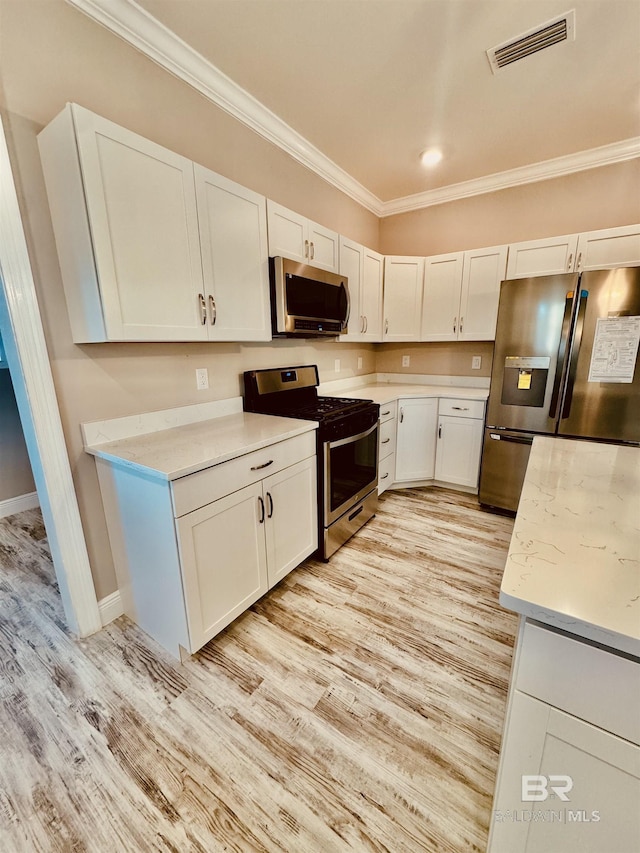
(458, 450)
(287, 233)
(482, 273)
(441, 298)
(324, 246)
(613, 247)
(371, 295)
(602, 777)
(233, 236)
(416, 438)
(292, 517)
(403, 278)
(550, 256)
(351, 266)
(141, 204)
(224, 564)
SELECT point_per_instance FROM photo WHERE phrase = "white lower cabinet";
(387, 446)
(192, 554)
(459, 445)
(416, 438)
(569, 773)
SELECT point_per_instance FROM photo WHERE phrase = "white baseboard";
(13, 505)
(110, 607)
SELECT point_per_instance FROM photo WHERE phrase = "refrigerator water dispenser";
(525, 380)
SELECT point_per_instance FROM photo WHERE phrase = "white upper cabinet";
(550, 256)
(403, 278)
(612, 247)
(461, 294)
(441, 298)
(235, 261)
(293, 236)
(364, 270)
(482, 272)
(134, 232)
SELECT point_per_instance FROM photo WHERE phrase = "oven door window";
(352, 470)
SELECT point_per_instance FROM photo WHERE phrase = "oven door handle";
(351, 438)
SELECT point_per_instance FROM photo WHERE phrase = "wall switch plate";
(336, 365)
(202, 378)
(406, 360)
(359, 362)
(476, 362)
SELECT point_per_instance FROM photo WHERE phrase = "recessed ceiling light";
(431, 157)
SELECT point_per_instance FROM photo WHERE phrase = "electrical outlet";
(406, 360)
(336, 365)
(359, 362)
(202, 378)
(476, 362)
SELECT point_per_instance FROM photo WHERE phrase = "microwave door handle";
(575, 353)
(348, 298)
(562, 352)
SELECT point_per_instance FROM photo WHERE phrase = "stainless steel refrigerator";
(565, 363)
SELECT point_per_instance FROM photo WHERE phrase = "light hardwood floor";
(358, 706)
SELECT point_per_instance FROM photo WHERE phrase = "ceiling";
(371, 83)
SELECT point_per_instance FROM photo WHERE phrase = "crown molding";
(606, 155)
(137, 27)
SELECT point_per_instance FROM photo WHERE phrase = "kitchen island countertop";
(574, 558)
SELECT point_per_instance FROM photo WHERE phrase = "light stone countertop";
(384, 392)
(181, 450)
(574, 558)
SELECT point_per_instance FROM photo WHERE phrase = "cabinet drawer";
(386, 470)
(199, 489)
(461, 408)
(386, 438)
(586, 681)
(388, 411)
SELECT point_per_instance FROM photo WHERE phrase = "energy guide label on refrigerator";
(615, 349)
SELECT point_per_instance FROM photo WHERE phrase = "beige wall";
(586, 201)
(50, 54)
(16, 478)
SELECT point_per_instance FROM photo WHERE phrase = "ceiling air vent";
(553, 32)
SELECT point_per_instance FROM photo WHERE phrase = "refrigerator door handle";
(513, 439)
(562, 351)
(575, 352)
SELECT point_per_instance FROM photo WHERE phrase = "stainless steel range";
(347, 451)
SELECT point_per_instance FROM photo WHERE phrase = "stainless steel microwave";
(306, 301)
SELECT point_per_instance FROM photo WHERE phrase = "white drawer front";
(199, 489)
(386, 438)
(386, 469)
(388, 411)
(595, 685)
(461, 408)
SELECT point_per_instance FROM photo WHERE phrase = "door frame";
(28, 360)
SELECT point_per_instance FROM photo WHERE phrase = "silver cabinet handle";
(213, 310)
(306, 248)
(261, 505)
(440, 431)
(579, 261)
(384, 476)
(460, 408)
(386, 327)
(454, 325)
(461, 324)
(366, 324)
(570, 261)
(388, 412)
(260, 467)
(203, 309)
(401, 415)
(385, 441)
(361, 324)
(270, 504)
(313, 251)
